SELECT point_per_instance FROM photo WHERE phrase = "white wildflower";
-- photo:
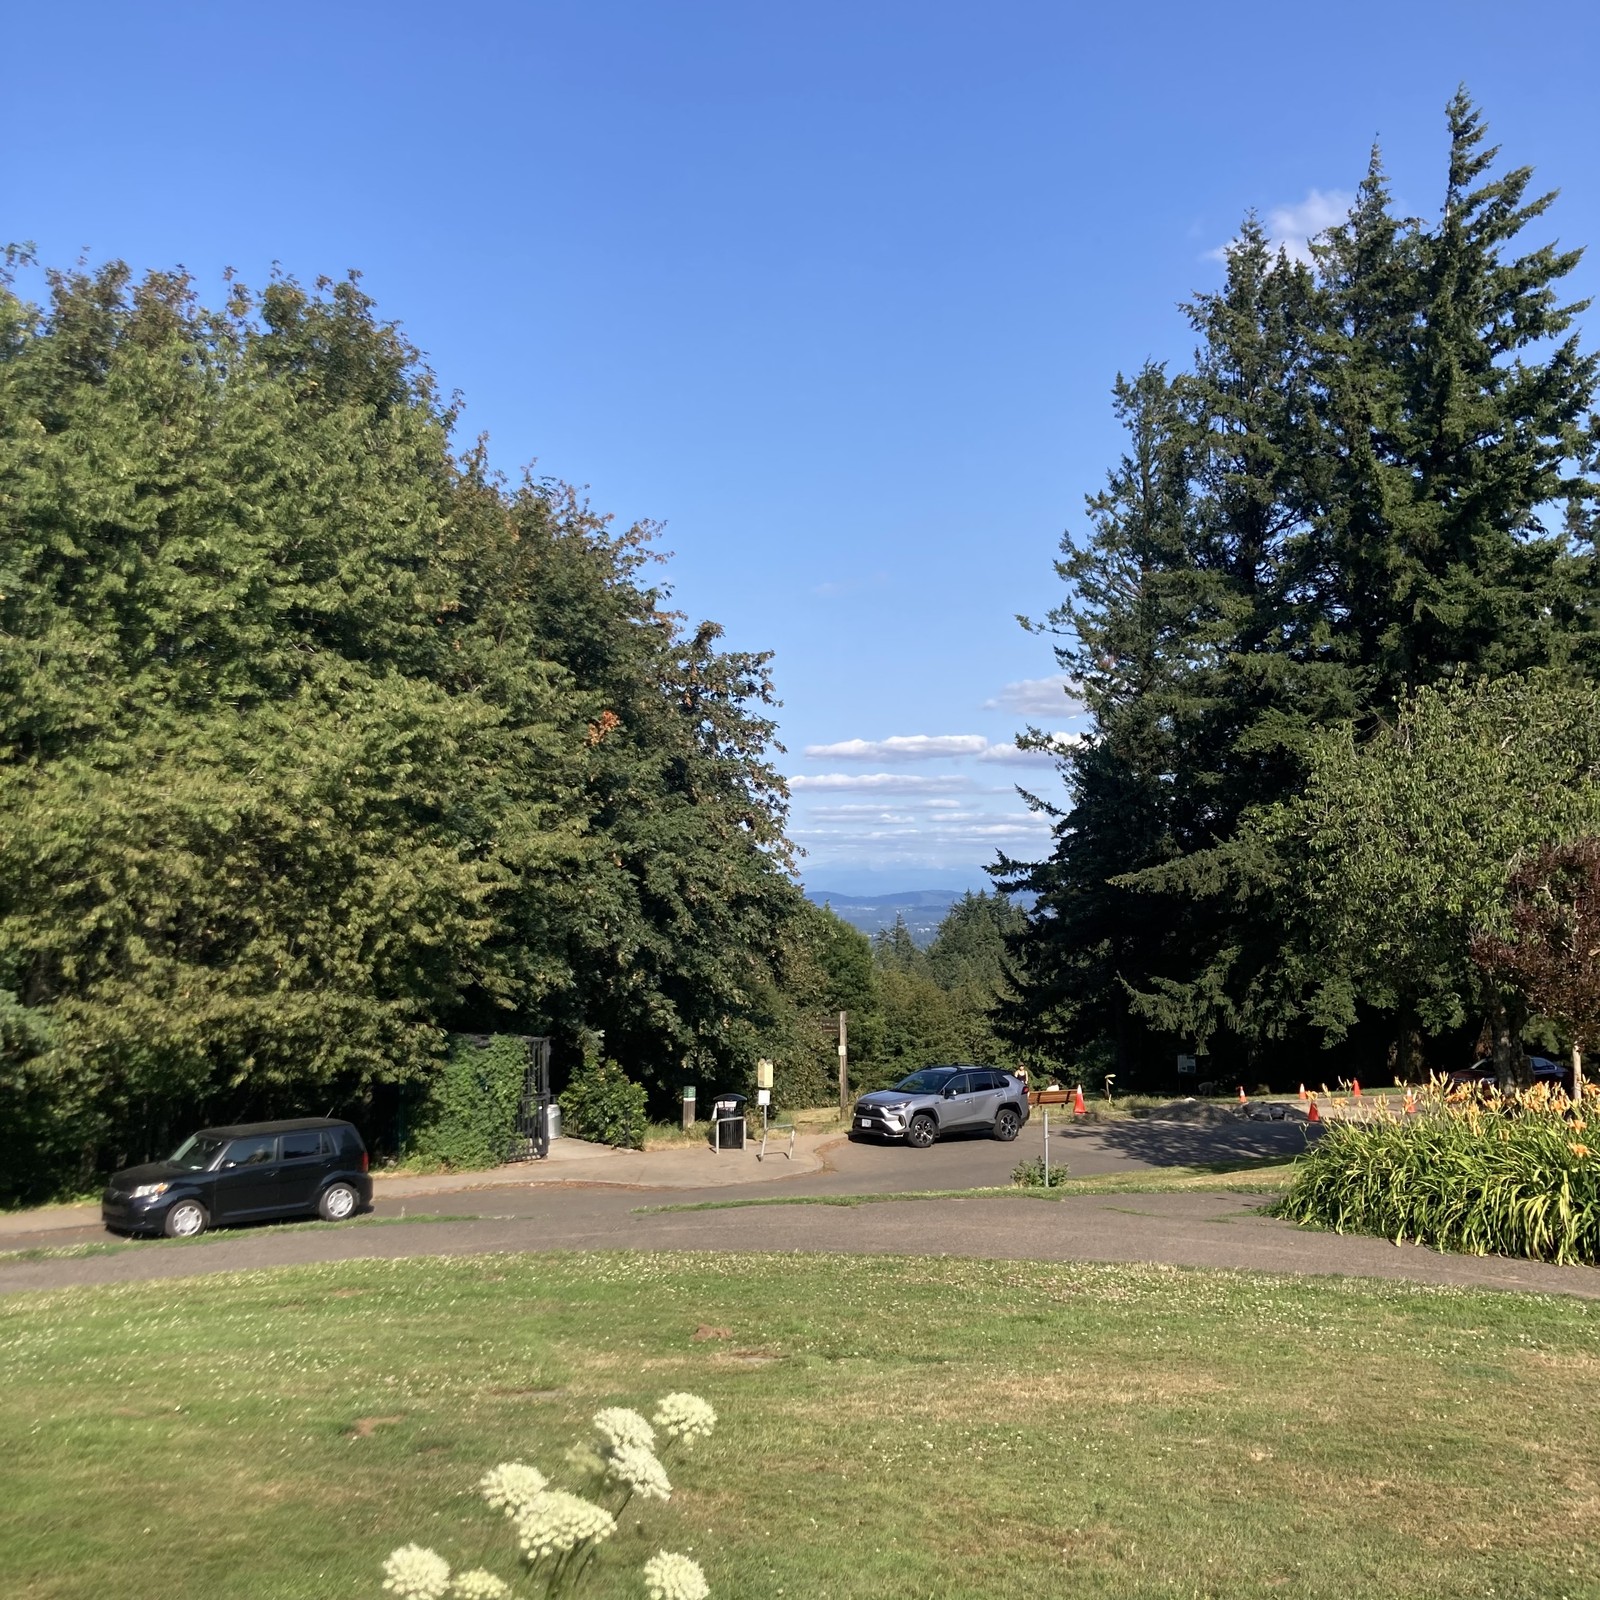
(555, 1522)
(511, 1485)
(669, 1576)
(686, 1417)
(620, 1427)
(415, 1573)
(480, 1585)
(639, 1472)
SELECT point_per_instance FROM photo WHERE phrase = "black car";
(250, 1173)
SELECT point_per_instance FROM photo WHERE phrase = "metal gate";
(531, 1140)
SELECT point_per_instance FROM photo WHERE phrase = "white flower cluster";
(555, 1522)
(480, 1585)
(669, 1576)
(512, 1485)
(622, 1428)
(639, 1472)
(686, 1417)
(415, 1573)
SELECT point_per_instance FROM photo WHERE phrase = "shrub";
(1491, 1174)
(603, 1104)
(1031, 1175)
(468, 1118)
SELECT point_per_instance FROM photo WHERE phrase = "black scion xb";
(251, 1173)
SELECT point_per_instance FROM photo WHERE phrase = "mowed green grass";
(889, 1427)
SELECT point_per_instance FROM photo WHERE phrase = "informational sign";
(763, 1075)
(763, 1097)
(1185, 1065)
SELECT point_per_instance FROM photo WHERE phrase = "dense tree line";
(1375, 486)
(318, 741)
(911, 1007)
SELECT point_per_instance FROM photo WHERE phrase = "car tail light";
(363, 1160)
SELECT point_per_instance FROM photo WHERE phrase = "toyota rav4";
(941, 1100)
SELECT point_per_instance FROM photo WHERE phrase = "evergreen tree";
(1378, 474)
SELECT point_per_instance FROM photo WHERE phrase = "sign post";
(844, 1069)
(764, 1092)
(688, 1107)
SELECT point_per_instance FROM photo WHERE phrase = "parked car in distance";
(257, 1171)
(939, 1100)
(1543, 1070)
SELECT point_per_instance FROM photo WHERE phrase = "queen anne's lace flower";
(480, 1585)
(639, 1472)
(669, 1576)
(555, 1522)
(415, 1573)
(686, 1417)
(511, 1485)
(620, 1427)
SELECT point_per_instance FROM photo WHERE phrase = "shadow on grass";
(1241, 1175)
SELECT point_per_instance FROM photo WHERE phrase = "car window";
(298, 1146)
(929, 1081)
(992, 1080)
(249, 1153)
(197, 1152)
(960, 1084)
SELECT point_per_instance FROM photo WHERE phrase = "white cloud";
(880, 782)
(935, 843)
(1294, 227)
(905, 746)
(1033, 697)
(1061, 739)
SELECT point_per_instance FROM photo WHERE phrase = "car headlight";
(148, 1191)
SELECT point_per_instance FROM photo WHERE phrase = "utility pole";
(844, 1070)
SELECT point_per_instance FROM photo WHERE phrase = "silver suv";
(940, 1100)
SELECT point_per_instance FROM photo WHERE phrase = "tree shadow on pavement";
(1189, 1144)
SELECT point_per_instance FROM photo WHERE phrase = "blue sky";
(836, 291)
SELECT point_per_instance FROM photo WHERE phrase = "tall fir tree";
(1379, 473)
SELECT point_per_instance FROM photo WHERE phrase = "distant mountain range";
(923, 909)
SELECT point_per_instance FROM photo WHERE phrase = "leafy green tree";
(1398, 852)
(317, 741)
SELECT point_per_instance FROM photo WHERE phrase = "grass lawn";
(1255, 1176)
(889, 1427)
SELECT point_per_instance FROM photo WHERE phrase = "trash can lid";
(732, 1099)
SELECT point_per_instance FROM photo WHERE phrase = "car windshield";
(197, 1152)
(929, 1081)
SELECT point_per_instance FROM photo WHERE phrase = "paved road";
(1200, 1229)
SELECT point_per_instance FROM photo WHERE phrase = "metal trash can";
(552, 1121)
(727, 1122)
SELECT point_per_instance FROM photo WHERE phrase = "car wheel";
(185, 1220)
(922, 1131)
(338, 1201)
(1007, 1125)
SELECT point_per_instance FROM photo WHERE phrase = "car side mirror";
(950, 1093)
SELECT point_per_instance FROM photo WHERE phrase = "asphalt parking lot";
(1209, 1228)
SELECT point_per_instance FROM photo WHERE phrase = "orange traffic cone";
(1355, 1088)
(1303, 1094)
(1242, 1100)
(1411, 1103)
(1078, 1107)
(1312, 1114)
